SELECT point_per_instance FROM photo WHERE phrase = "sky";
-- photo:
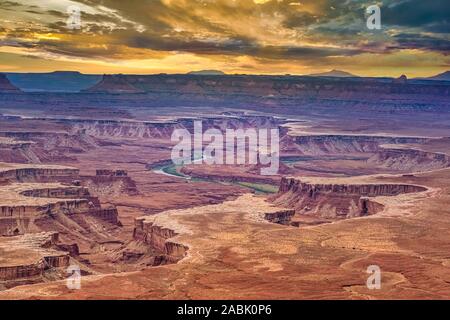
(234, 36)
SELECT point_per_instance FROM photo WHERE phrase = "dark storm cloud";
(431, 15)
(419, 41)
(275, 29)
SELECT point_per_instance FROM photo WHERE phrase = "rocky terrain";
(86, 179)
(340, 200)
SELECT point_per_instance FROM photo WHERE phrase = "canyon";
(86, 179)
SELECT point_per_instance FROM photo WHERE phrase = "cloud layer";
(242, 36)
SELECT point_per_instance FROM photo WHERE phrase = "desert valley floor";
(86, 179)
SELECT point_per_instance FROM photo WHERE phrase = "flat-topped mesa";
(110, 182)
(367, 190)
(6, 86)
(113, 84)
(44, 146)
(164, 129)
(158, 237)
(39, 252)
(341, 144)
(36, 173)
(336, 200)
(410, 159)
(24, 206)
(12, 150)
(111, 173)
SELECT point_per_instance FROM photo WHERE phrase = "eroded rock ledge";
(25, 204)
(158, 238)
(336, 200)
(26, 258)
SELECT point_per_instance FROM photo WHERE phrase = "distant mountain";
(333, 73)
(6, 86)
(445, 76)
(58, 81)
(115, 83)
(207, 73)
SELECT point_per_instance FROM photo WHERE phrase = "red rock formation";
(262, 86)
(336, 201)
(107, 214)
(37, 174)
(41, 245)
(16, 219)
(281, 217)
(340, 144)
(38, 147)
(158, 238)
(410, 159)
(111, 173)
(401, 80)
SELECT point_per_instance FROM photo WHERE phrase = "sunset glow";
(235, 36)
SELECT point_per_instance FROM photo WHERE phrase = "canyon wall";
(158, 238)
(38, 147)
(336, 201)
(283, 217)
(38, 174)
(340, 144)
(410, 159)
(263, 85)
(42, 246)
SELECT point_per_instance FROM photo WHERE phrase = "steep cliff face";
(40, 254)
(37, 147)
(37, 174)
(108, 186)
(18, 151)
(336, 201)
(158, 238)
(340, 144)
(136, 129)
(24, 207)
(410, 159)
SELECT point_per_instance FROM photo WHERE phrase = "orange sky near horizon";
(234, 36)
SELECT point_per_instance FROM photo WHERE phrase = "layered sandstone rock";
(40, 146)
(36, 173)
(245, 85)
(109, 182)
(410, 159)
(158, 238)
(164, 129)
(22, 204)
(29, 256)
(12, 150)
(340, 144)
(336, 201)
